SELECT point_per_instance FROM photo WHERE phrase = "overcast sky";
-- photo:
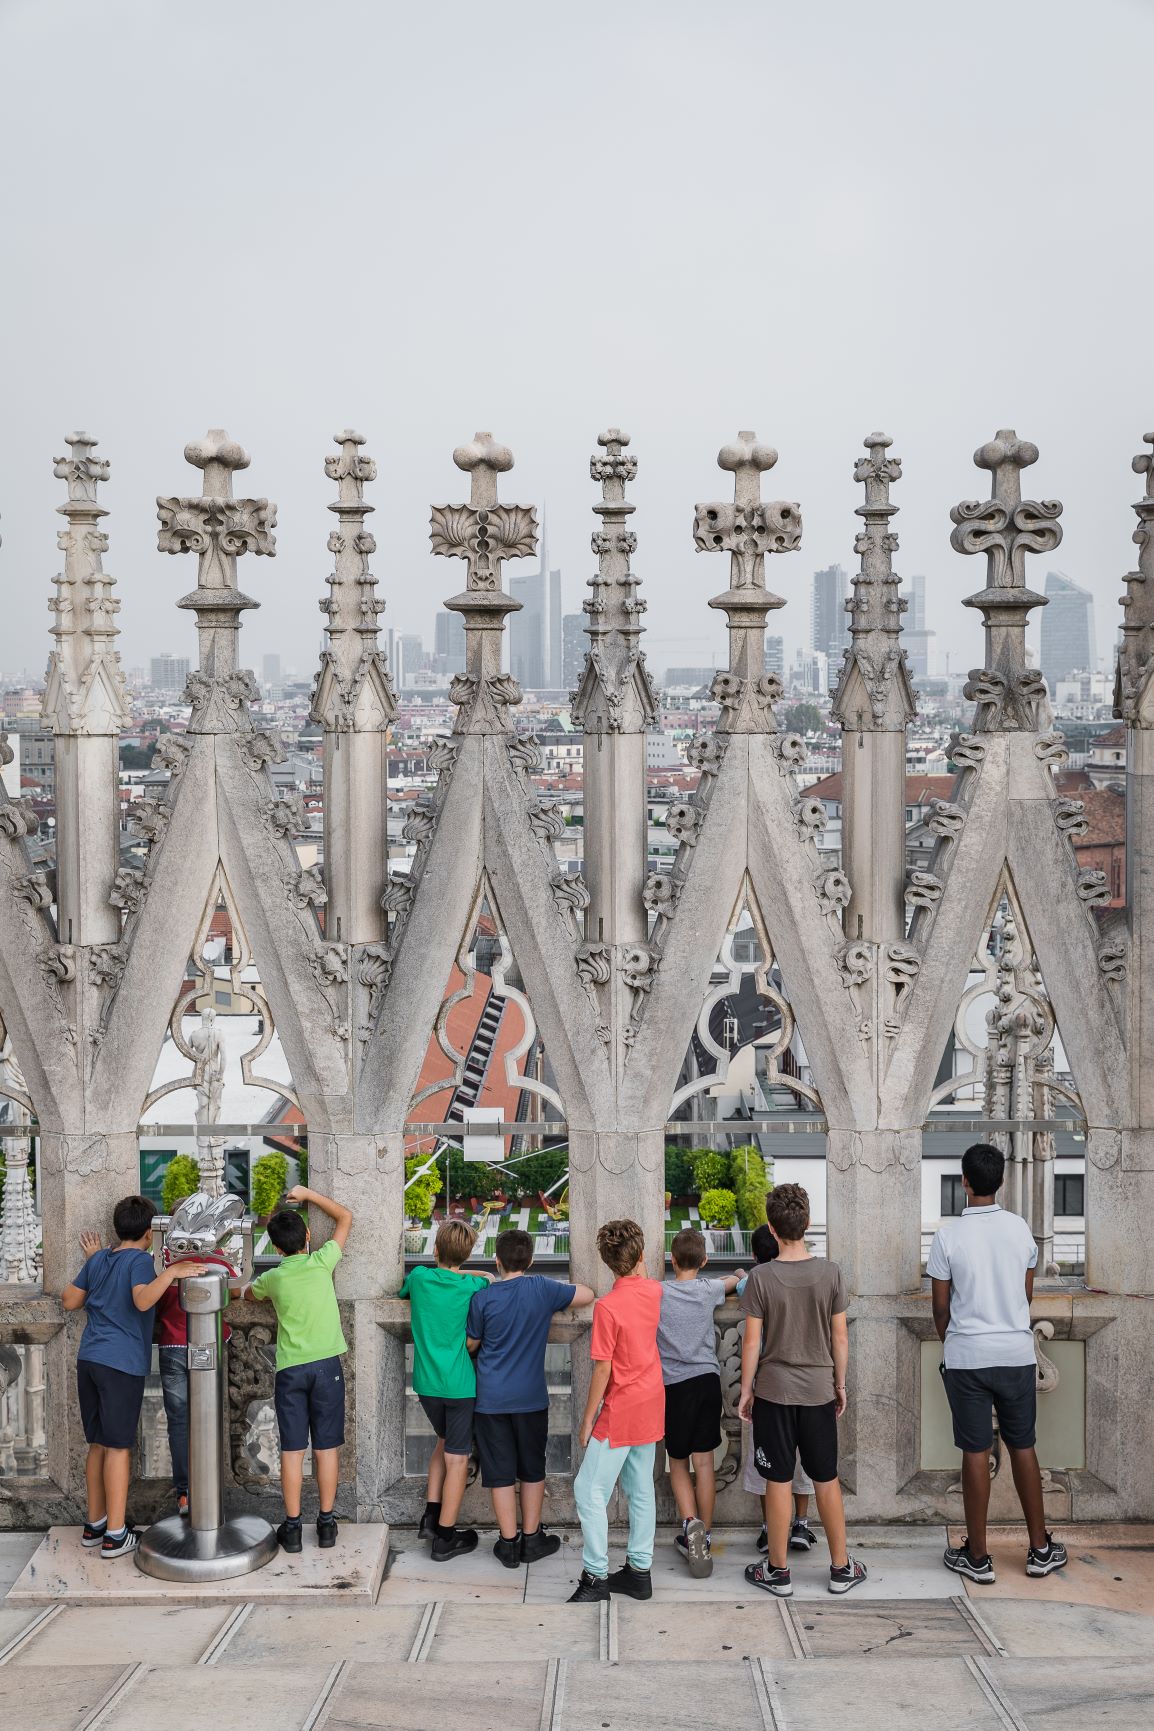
(806, 217)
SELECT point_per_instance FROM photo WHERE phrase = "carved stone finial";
(1132, 679)
(615, 692)
(874, 690)
(484, 533)
(352, 690)
(747, 530)
(218, 529)
(84, 689)
(1005, 528)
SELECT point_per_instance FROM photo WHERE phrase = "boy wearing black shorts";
(117, 1290)
(793, 1363)
(508, 1330)
(689, 1370)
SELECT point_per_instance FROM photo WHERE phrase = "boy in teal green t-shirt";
(309, 1390)
(445, 1381)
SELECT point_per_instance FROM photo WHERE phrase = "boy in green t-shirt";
(445, 1380)
(309, 1390)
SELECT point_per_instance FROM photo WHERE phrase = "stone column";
(354, 702)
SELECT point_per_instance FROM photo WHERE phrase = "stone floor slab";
(907, 1628)
(181, 1699)
(673, 1632)
(1069, 1695)
(872, 1694)
(1118, 1579)
(413, 1577)
(60, 1700)
(472, 1634)
(104, 1634)
(13, 1623)
(706, 1697)
(327, 1634)
(15, 1550)
(1040, 1629)
(61, 1570)
(496, 1696)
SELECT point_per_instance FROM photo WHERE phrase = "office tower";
(695, 676)
(449, 642)
(535, 633)
(830, 624)
(270, 675)
(169, 673)
(573, 647)
(916, 640)
(1067, 630)
(410, 659)
(775, 656)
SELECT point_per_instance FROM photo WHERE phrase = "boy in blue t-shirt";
(117, 1289)
(508, 1329)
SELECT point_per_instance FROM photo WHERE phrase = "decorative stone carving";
(594, 964)
(923, 889)
(353, 692)
(570, 893)
(968, 750)
(1070, 817)
(149, 818)
(682, 820)
(661, 893)
(902, 965)
(1113, 959)
(286, 815)
(307, 889)
(59, 962)
(1132, 678)
(705, 752)
(258, 750)
(374, 971)
(524, 752)
(1019, 700)
(547, 820)
(171, 753)
(1093, 889)
(791, 748)
(484, 538)
(946, 819)
(419, 825)
(34, 889)
(1051, 750)
(855, 962)
(834, 891)
(128, 889)
(18, 818)
(330, 964)
(810, 817)
(442, 756)
(874, 689)
(398, 896)
(84, 690)
(614, 692)
(106, 964)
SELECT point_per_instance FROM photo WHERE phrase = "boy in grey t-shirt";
(692, 1380)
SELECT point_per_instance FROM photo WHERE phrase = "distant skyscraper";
(169, 673)
(689, 676)
(830, 625)
(1067, 630)
(573, 647)
(270, 675)
(410, 660)
(916, 640)
(535, 633)
(449, 642)
(775, 656)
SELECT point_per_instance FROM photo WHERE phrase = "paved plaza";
(911, 1650)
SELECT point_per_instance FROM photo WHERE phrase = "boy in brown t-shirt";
(793, 1365)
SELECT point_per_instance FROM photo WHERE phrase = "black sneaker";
(455, 1543)
(92, 1536)
(1045, 1559)
(508, 1551)
(634, 1583)
(591, 1590)
(111, 1548)
(801, 1536)
(326, 1531)
(852, 1575)
(540, 1544)
(693, 1544)
(763, 1541)
(962, 1561)
(427, 1525)
(290, 1537)
(770, 1580)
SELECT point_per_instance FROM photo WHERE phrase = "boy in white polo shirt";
(981, 1265)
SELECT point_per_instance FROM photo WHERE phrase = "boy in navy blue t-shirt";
(508, 1329)
(117, 1289)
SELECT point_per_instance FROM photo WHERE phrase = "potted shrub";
(421, 1193)
(718, 1210)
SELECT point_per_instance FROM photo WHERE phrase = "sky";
(808, 220)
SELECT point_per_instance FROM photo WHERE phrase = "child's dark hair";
(288, 1231)
(984, 1166)
(132, 1218)
(763, 1244)
(514, 1250)
(620, 1245)
(688, 1248)
(787, 1206)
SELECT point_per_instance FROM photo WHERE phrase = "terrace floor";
(472, 1644)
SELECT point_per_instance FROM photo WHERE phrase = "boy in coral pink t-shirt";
(620, 1439)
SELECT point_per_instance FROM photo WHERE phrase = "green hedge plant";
(710, 1170)
(718, 1208)
(268, 1182)
(181, 1180)
(751, 1185)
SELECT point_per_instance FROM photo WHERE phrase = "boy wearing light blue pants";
(624, 1419)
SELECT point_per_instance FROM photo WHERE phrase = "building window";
(1069, 1193)
(953, 1196)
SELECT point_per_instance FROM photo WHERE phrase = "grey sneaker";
(1045, 1559)
(693, 1544)
(852, 1575)
(770, 1580)
(962, 1561)
(802, 1537)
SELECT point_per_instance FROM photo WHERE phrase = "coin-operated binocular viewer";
(206, 1546)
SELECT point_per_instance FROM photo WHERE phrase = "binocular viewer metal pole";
(206, 1546)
